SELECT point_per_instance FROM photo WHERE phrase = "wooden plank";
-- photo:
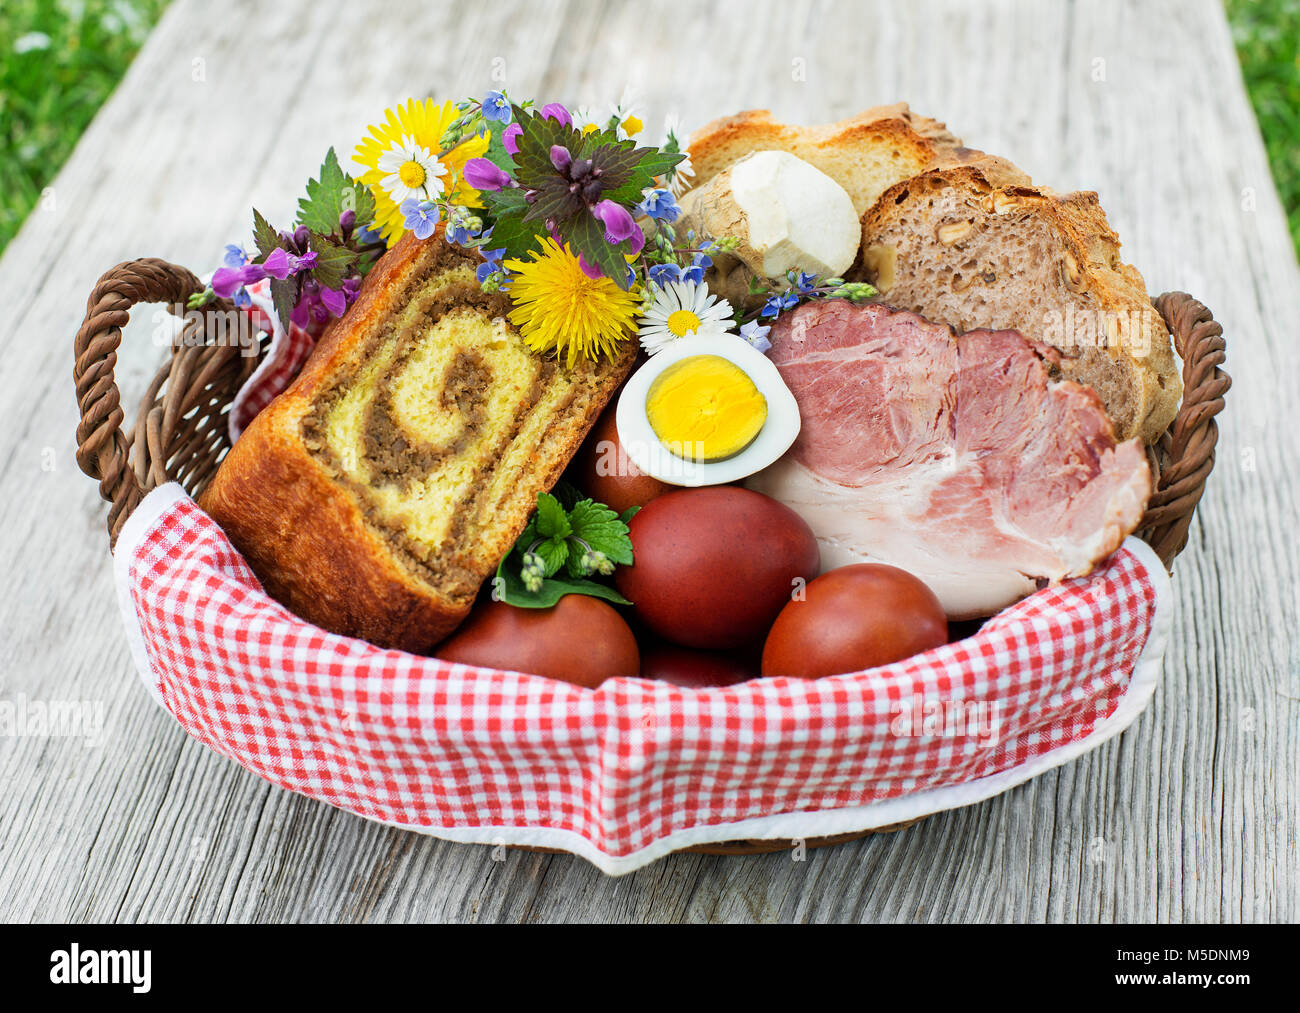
(1190, 815)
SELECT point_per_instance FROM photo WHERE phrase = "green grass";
(1267, 34)
(59, 61)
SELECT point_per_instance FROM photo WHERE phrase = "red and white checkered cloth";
(635, 769)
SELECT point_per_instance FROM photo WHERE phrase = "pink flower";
(619, 224)
(484, 174)
(510, 138)
(555, 111)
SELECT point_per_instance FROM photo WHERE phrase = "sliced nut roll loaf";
(375, 495)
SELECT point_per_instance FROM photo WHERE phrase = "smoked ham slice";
(957, 458)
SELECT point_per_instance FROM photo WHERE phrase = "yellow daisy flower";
(558, 307)
(407, 143)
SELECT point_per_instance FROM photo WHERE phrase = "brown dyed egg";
(852, 618)
(715, 565)
(603, 471)
(693, 669)
(580, 639)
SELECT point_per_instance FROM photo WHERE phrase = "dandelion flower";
(421, 125)
(559, 308)
(680, 309)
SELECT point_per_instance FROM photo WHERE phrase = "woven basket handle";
(103, 450)
(1185, 453)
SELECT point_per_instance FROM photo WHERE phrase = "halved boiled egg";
(706, 411)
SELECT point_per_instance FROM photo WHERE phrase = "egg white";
(645, 450)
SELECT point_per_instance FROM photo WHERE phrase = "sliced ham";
(958, 459)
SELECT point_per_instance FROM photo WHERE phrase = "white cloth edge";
(784, 826)
(136, 528)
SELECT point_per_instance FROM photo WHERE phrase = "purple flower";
(555, 111)
(561, 158)
(333, 300)
(227, 281)
(510, 138)
(484, 174)
(660, 205)
(277, 264)
(756, 334)
(496, 108)
(619, 224)
(587, 269)
(420, 216)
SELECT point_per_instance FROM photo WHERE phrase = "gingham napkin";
(635, 769)
(626, 773)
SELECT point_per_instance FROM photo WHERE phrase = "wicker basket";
(180, 433)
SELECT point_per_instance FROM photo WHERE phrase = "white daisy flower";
(626, 113)
(682, 309)
(585, 119)
(684, 174)
(412, 171)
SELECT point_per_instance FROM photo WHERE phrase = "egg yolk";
(705, 408)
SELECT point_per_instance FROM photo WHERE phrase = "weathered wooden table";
(1190, 815)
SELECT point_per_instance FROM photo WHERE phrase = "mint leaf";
(552, 521)
(567, 493)
(511, 590)
(601, 528)
(332, 194)
(553, 552)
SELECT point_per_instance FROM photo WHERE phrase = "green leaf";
(333, 261)
(552, 521)
(265, 237)
(553, 552)
(510, 232)
(497, 153)
(567, 493)
(601, 528)
(587, 237)
(332, 194)
(509, 587)
(627, 515)
(284, 297)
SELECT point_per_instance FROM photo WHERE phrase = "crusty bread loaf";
(375, 494)
(953, 246)
(866, 154)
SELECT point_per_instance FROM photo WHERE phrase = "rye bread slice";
(959, 249)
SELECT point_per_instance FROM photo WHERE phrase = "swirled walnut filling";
(441, 422)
